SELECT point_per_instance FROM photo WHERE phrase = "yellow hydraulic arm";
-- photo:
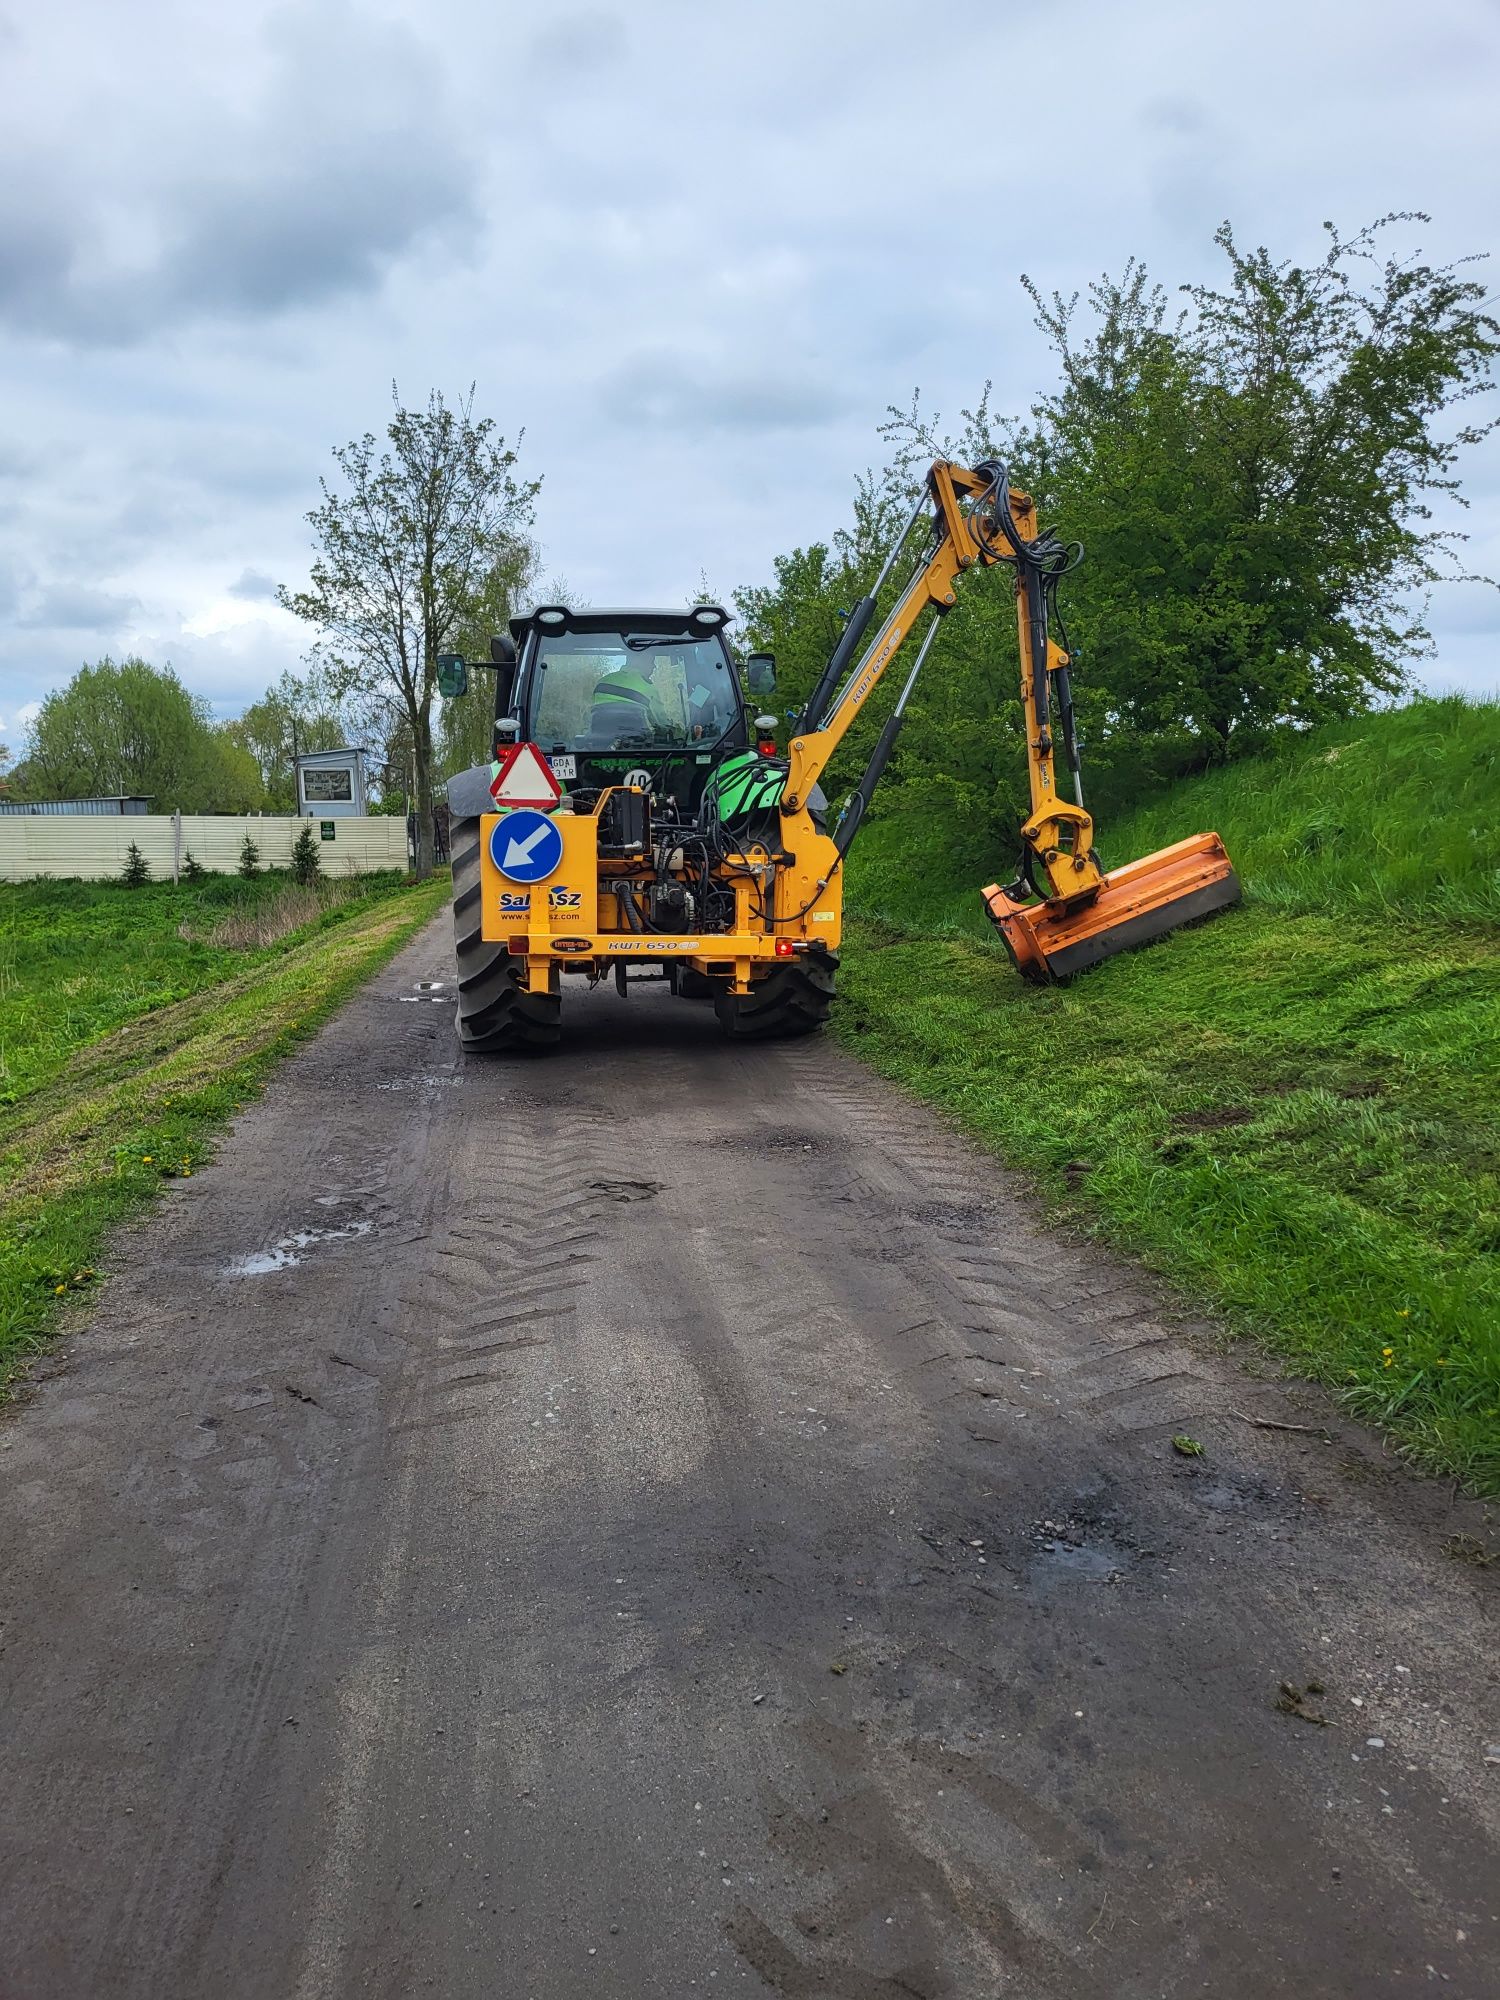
(975, 521)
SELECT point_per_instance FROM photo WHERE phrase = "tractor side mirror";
(502, 650)
(760, 673)
(452, 675)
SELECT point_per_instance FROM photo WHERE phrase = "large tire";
(792, 1000)
(496, 1015)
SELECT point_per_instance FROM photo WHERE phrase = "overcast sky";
(693, 250)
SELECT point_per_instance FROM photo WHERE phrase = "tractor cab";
(644, 698)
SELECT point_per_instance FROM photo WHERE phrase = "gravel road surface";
(665, 1520)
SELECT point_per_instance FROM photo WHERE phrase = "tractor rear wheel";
(496, 1015)
(792, 1000)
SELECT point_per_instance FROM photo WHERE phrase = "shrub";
(192, 870)
(249, 859)
(137, 868)
(307, 863)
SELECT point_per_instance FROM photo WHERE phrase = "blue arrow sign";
(526, 846)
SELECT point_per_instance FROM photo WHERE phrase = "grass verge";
(1291, 1111)
(95, 1121)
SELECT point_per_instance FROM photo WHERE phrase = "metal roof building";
(128, 802)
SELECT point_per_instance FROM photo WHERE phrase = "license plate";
(564, 767)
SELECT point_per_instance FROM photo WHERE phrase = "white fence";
(95, 846)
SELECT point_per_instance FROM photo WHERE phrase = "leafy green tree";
(1251, 482)
(406, 552)
(130, 728)
(466, 725)
(1252, 477)
(294, 716)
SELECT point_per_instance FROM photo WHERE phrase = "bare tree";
(406, 555)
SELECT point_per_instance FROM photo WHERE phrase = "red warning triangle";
(524, 779)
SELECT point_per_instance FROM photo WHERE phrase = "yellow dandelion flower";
(145, 1159)
(1405, 1313)
(59, 1288)
(1387, 1350)
(1389, 1361)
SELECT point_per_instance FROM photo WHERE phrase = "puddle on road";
(1077, 1561)
(282, 1255)
(427, 989)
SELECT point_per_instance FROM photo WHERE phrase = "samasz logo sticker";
(565, 899)
(512, 905)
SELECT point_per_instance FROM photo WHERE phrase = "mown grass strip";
(90, 1146)
(1293, 1117)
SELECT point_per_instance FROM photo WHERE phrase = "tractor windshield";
(630, 691)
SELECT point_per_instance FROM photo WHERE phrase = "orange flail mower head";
(1135, 904)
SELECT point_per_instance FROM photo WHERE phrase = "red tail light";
(784, 947)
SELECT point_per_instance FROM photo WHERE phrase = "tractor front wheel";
(792, 1000)
(496, 1015)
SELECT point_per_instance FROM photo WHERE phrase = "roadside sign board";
(526, 846)
(524, 779)
(327, 828)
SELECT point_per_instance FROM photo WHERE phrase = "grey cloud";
(255, 586)
(661, 391)
(76, 607)
(1190, 168)
(583, 41)
(324, 226)
(1181, 115)
(344, 163)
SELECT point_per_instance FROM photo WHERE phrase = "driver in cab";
(626, 707)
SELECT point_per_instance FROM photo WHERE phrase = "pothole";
(1090, 1542)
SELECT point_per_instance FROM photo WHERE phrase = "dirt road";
(664, 1520)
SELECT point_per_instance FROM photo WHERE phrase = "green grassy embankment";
(1292, 1111)
(133, 1023)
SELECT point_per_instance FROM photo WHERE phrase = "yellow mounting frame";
(573, 922)
(1059, 834)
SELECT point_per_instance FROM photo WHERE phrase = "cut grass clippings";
(1292, 1111)
(87, 1140)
